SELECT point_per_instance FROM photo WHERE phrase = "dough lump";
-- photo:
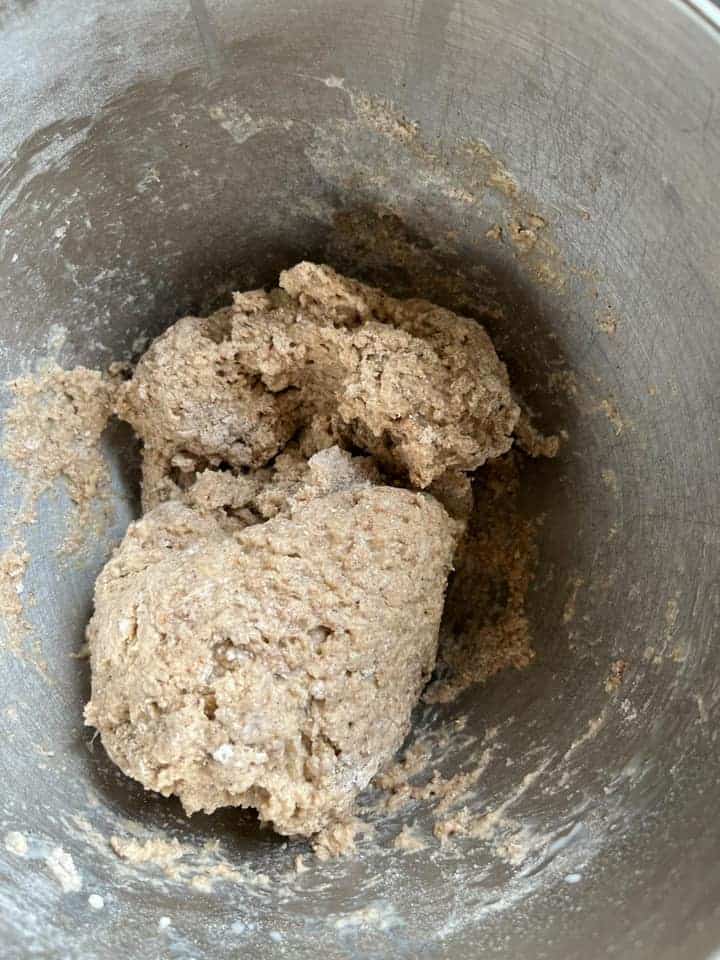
(252, 669)
(417, 387)
(193, 407)
(262, 633)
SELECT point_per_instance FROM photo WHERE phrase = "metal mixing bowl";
(157, 156)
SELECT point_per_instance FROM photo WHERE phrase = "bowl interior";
(412, 147)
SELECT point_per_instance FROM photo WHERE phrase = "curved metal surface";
(156, 158)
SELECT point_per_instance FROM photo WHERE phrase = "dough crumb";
(161, 852)
(522, 235)
(62, 867)
(16, 843)
(408, 841)
(609, 408)
(337, 840)
(616, 676)
(608, 324)
(457, 825)
(532, 442)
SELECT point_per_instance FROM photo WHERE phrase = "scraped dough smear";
(262, 633)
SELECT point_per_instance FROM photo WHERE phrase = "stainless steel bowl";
(157, 156)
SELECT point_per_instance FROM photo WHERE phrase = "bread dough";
(251, 669)
(281, 595)
(417, 387)
(193, 408)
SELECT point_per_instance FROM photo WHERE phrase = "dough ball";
(251, 668)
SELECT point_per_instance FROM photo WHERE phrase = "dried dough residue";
(532, 442)
(575, 586)
(198, 867)
(13, 564)
(616, 676)
(16, 843)
(408, 840)
(380, 116)
(445, 792)
(338, 839)
(52, 432)
(494, 823)
(485, 627)
(414, 779)
(608, 324)
(609, 408)
(61, 867)
(161, 852)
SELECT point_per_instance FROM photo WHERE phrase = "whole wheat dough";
(263, 632)
(252, 669)
(417, 387)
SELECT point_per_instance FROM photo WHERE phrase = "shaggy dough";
(280, 595)
(417, 387)
(252, 669)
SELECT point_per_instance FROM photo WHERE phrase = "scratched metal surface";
(156, 157)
